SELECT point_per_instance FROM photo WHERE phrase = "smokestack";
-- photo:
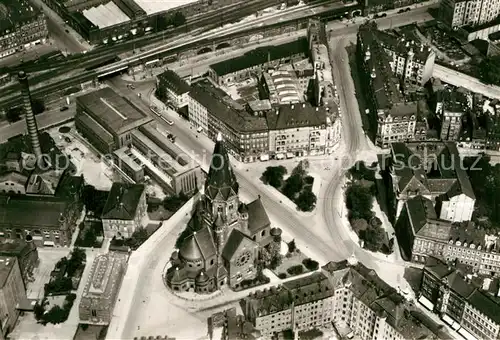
(30, 117)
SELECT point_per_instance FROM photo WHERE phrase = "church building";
(229, 235)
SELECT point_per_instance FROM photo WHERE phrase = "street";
(63, 35)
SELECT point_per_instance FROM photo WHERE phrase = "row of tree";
(297, 187)
(359, 198)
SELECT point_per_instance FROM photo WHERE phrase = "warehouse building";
(234, 70)
(107, 119)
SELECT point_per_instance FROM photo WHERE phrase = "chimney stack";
(30, 117)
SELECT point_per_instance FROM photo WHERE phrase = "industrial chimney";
(30, 117)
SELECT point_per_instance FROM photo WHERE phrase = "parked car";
(64, 108)
(67, 139)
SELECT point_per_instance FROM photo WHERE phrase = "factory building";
(107, 119)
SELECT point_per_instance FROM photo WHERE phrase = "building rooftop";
(44, 212)
(115, 113)
(431, 169)
(466, 290)
(219, 104)
(7, 263)
(105, 15)
(174, 82)
(454, 101)
(283, 87)
(124, 155)
(123, 201)
(377, 62)
(260, 56)
(304, 290)
(290, 116)
(105, 277)
(384, 300)
(13, 13)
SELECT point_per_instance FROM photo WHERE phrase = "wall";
(459, 208)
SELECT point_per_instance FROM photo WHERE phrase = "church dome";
(201, 277)
(190, 251)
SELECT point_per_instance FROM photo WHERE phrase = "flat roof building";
(102, 287)
(164, 161)
(106, 119)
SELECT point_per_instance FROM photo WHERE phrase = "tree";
(300, 169)
(37, 105)
(178, 19)
(174, 202)
(360, 171)
(13, 114)
(138, 237)
(489, 70)
(94, 200)
(306, 200)
(359, 201)
(374, 238)
(292, 247)
(274, 176)
(275, 262)
(293, 185)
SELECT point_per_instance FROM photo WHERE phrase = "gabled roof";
(235, 239)
(122, 202)
(257, 216)
(420, 210)
(221, 181)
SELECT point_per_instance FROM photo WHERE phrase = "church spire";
(221, 178)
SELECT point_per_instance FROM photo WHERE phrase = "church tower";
(221, 193)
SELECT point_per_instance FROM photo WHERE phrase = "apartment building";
(173, 89)
(452, 106)
(470, 311)
(325, 91)
(297, 129)
(421, 233)
(346, 293)
(124, 210)
(458, 13)
(432, 169)
(21, 26)
(299, 305)
(12, 292)
(396, 118)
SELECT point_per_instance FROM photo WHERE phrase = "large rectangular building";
(173, 89)
(164, 161)
(473, 13)
(101, 289)
(107, 119)
(234, 70)
(50, 221)
(212, 111)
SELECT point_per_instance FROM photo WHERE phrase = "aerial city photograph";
(254, 170)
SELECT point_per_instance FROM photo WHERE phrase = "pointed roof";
(221, 179)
